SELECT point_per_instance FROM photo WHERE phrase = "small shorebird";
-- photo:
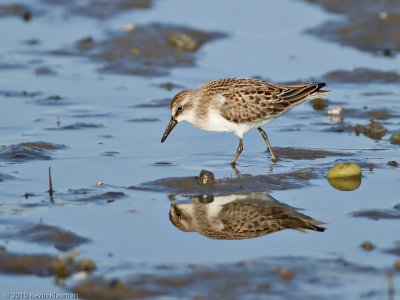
(237, 217)
(238, 105)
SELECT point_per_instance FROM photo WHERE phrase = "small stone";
(383, 15)
(86, 265)
(346, 183)
(395, 139)
(388, 52)
(358, 129)
(85, 43)
(319, 104)
(393, 163)
(80, 276)
(335, 111)
(397, 265)
(27, 15)
(183, 41)
(374, 130)
(61, 268)
(135, 51)
(345, 177)
(54, 98)
(371, 166)
(205, 199)
(367, 246)
(284, 274)
(42, 71)
(205, 177)
(128, 27)
(342, 170)
(116, 284)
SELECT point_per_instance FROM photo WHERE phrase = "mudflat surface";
(85, 89)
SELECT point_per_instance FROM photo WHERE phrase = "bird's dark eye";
(180, 108)
(179, 215)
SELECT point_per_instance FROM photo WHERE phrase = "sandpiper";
(238, 105)
(241, 216)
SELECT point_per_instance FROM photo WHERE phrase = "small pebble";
(205, 177)
(335, 111)
(85, 43)
(86, 265)
(183, 41)
(367, 246)
(27, 16)
(393, 163)
(61, 268)
(80, 276)
(383, 15)
(116, 284)
(397, 265)
(128, 27)
(342, 170)
(319, 104)
(395, 139)
(206, 199)
(284, 274)
(135, 51)
(345, 177)
(375, 130)
(346, 183)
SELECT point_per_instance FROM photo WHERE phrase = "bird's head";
(181, 216)
(181, 109)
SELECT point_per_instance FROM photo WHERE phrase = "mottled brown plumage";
(238, 105)
(239, 217)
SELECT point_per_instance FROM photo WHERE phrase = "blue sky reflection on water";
(266, 39)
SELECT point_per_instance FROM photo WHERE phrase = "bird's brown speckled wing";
(243, 220)
(250, 219)
(252, 100)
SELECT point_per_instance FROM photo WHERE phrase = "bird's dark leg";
(265, 137)
(238, 151)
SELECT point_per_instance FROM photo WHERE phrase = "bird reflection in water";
(236, 217)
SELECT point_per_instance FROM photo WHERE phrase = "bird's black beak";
(172, 123)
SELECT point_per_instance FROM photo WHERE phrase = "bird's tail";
(295, 94)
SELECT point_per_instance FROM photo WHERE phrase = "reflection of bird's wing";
(249, 100)
(242, 219)
(252, 219)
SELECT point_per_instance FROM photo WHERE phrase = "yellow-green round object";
(344, 170)
(345, 176)
(345, 183)
(395, 139)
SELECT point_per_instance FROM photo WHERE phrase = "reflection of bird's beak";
(172, 123)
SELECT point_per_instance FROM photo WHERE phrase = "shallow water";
(106, 178)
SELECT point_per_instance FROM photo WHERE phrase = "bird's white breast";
(215, 122)
(212, 120)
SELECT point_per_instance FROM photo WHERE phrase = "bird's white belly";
(215, 122)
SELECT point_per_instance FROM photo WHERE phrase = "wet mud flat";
(119, 222)
(99, 10)
(371, 27)
(149, 50)
(282, 277)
